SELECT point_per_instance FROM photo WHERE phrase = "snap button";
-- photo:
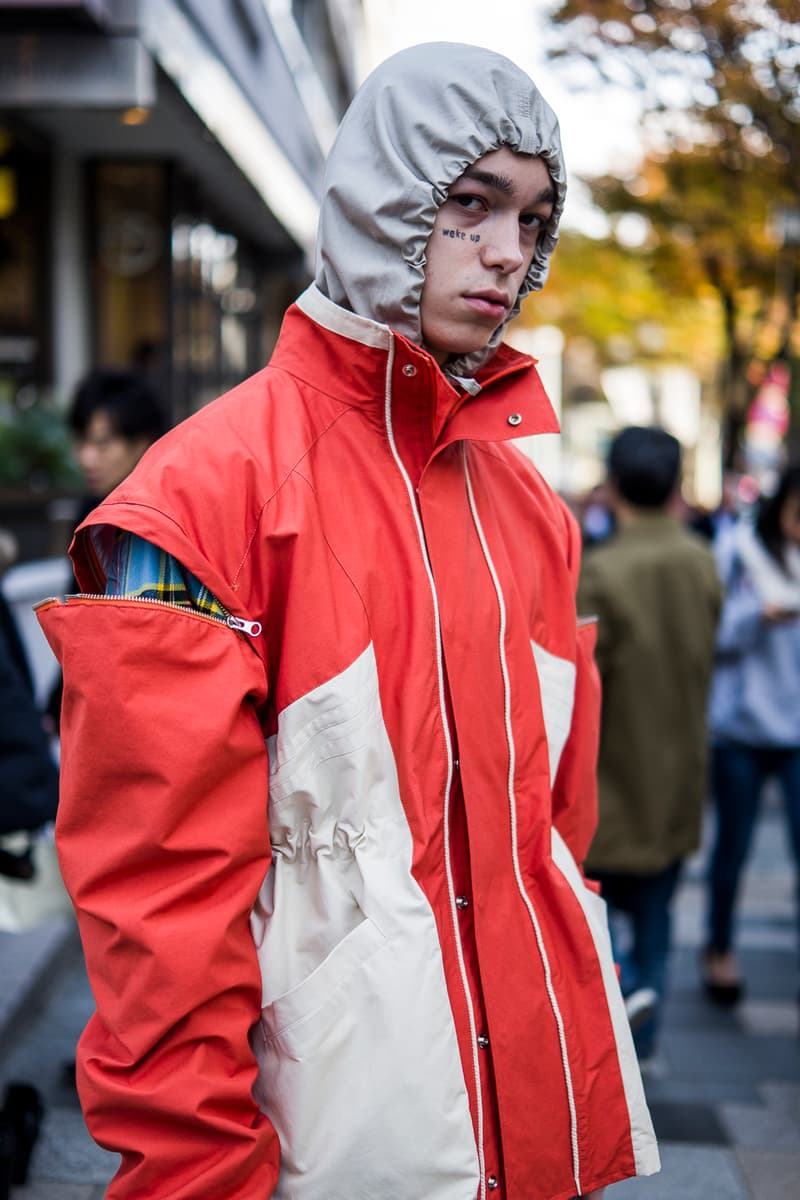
(462, 902)
(409, 369)
(483, 1041)
(492, 1183)
(515, 419)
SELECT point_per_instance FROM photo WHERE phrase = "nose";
(502, 249)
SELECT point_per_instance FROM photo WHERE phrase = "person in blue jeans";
(646, 901)
(754, 711)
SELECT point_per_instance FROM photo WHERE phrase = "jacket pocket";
(300, 1022)
(360, 1075)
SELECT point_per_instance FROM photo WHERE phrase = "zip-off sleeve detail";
(163, 844)
(140, 570)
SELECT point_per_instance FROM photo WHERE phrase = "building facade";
(161, 164)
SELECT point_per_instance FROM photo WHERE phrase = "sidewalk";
(29, 961)
(725, 1097)
(45, 1001)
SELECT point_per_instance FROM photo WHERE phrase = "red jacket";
(401, 930)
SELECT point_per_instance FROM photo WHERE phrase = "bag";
(26, 902)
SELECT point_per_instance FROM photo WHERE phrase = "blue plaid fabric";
(140, 570)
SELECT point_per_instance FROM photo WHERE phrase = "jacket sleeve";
(741, 620)
(741, 623)
(163, 843)
(575, 785)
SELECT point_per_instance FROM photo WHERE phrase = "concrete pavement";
(724, 1091)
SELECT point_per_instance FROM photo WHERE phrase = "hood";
(417, 122)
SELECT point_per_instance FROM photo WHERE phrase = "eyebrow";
(502, 183)
(493, 179)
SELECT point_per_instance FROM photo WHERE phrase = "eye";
(468, 202)
(531, 220)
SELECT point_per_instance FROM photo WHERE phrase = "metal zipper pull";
(251, 627)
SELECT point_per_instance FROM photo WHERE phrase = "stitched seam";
(414, 505)
(133, 504)
(488, 449)
(335, 556)
(310, 383)
(512, 801)
(290, 472)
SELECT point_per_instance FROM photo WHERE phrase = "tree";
(617, 298)
(719, 84)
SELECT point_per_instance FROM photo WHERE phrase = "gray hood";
(417, 122)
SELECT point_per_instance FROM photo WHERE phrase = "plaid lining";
(139, 570)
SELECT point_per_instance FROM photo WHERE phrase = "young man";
(115, 416)
(325, 849)
(654, 588)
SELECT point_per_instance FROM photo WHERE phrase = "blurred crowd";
(698, 648)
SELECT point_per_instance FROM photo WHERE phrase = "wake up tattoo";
(459, 233)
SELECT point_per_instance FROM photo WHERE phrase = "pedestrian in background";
(325, 804)
(28, 773)
(754, 712)
(28, 802)
(115, 415)
(654, 590)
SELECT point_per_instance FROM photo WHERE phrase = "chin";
(456, 347)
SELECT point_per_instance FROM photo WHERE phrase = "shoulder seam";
(555, 513)
(289, 473)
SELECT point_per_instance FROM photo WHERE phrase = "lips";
(491, 303)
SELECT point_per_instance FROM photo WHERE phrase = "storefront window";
(217, 311)
(177, 293)
(130, 271)
(24, 246)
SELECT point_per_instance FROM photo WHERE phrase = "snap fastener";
(492, 1183)
(515, 419)
(483, 1041)
(462, 902)
(409, 369)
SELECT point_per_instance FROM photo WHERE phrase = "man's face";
(104, 456)
(481, 247)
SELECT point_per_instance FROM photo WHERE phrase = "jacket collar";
(354, 358)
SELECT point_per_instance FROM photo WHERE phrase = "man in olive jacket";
(654, 590)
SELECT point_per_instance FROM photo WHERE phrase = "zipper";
(512, 801)
(478, 1080)
(251, 628)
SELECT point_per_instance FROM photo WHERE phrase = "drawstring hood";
(418, 121)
